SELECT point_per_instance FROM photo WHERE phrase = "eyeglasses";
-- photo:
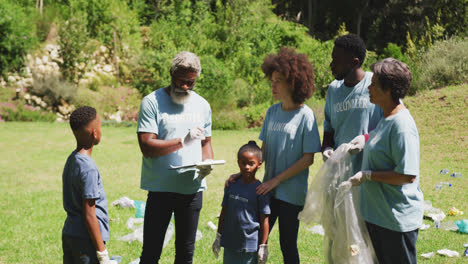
(180, 80)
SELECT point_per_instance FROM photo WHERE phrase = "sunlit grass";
(32, 156)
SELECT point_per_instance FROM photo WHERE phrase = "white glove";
(204, 170)
(357, 144)
(216, 247)
(326, 154)
(103, 257)
(360, 177)
(262, 254)
(195, 133)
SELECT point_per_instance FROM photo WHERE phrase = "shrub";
(53, 90)
(73, 38)
(18, 111)
(16, 36)
(108, 100)
(445, 63)
(228, 120)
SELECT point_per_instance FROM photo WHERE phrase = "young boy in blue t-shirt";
(86, 227)
(243, 224)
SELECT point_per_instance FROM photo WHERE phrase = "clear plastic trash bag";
(332, 202)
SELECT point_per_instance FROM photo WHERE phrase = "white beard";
(179, 96)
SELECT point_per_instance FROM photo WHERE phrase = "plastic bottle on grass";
(444, 171)
(466, 250)
(456, 175)
(116, 258)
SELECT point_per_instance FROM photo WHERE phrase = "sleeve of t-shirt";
(90, 184)
(311, 136)
(264, 204)
(263, 132)
(405, 152)
(207, 125)
(147, 117)
(326, 122)
(225, 197)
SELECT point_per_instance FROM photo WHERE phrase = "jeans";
(78, 251)
(239, 257)
(158, 212)
(392, 246)
(286, 214)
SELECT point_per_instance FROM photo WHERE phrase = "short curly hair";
(81, 117)
(297, 69)
(394, 75)
(186, 60)
(353, 44)
(251, 147)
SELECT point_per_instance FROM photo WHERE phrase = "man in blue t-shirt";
(174, 129)
(86, 227)
(348, 111)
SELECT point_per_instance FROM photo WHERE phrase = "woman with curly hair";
(290, 139)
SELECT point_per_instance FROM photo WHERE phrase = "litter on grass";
(428, 255)
(462, 225)
(454, 211)
(123, 202)
(424, 227)
(449, 253)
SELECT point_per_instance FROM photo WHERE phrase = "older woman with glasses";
(391, 201)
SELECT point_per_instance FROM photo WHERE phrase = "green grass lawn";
(32, 156)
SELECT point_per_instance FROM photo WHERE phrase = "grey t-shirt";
(81, 180)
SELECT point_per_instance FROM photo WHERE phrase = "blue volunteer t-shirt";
(288, 135)
(393, 146)
(349, 113)
(81, 180)
(159, 115)
(242, 216)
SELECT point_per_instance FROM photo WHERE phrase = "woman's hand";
(233, 178)
(267, 186)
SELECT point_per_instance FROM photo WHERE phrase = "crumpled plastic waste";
(448, 225)
(123, 202)
(424, 227)
(212, 226)
(317, 229)
(454, 211)
(333, 203)
(462, 225)
(428, 255)
(140, 206)
(434, 213)
(449, 253)
(136, 261)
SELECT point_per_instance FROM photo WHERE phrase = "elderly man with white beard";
(174, 129)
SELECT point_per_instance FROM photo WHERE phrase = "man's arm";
(92, 224)
(151, 146)
(207, 150)
(328, 140)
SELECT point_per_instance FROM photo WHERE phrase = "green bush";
(73, 38)
(444, 63)
(231, 38)
(53, 90)
(228, 120)
(18, 111)
(109, 100)
(17, 36)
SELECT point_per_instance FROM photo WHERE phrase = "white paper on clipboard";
(210, 162)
